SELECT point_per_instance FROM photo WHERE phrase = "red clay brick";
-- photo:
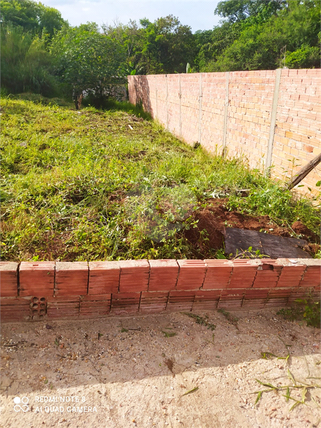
(71, 278)
(15, 309)
(225, 303)
(163, 275)
(243, 274)
(134, 276)
(38, 307)
(37, 279)
(280, 292)
(279, 302)
(206, 300)
(103, 277)
(191, 274)
(252, 294)
(250, 95)
(153, 302)
(95, 306)
(316, 295)
(300, 293)
(267, 275)
(236, 293)
(253, 304)
(8, 279)
(125, 303)
(311, 277)
(291, 276)
(207, 295)
(231, 298)
(63, 307)
(218, 274)
(180, 300)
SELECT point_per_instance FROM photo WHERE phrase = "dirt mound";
(301, 229)
(212, 221)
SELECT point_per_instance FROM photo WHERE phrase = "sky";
(198, 14)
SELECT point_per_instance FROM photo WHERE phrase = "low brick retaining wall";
(72, 290)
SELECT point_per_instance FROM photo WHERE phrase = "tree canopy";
(42, 53)
(31, 16)
(164, 46)
(262, 34)
(87, 60)
(239, 10)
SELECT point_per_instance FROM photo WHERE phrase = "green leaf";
(259, 395)
(304, 393)
(191, 391)
(269, 385)
(295, 405)
(291, 377)
(266, 355)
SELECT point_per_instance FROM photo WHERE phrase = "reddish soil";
(215, 217)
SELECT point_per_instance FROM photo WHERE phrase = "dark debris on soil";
(216, 217)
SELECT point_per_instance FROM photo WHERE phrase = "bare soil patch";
(135, 375)
(215, 217)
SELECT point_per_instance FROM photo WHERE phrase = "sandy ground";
(134, 372)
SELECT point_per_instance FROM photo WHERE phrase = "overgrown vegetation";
(108, 185)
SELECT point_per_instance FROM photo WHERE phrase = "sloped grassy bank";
(95, 185)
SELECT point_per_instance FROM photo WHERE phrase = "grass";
(108, 185)
(297, 391)
(306, 310)
(201, 320)
(231, 318)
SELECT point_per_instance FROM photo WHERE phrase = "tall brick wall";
(298, 127)
(234, 110)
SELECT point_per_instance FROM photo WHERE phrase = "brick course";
(152, 286)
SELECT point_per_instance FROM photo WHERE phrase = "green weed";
(111, 185)
(268, 197)
(201, 320)
(231, 318)
(306, 310)
(169, 333)
(288, 389)
(249, 254)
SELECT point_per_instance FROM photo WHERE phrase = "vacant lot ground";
(163, 371)
(108, 185)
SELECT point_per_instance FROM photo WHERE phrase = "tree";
(167, 46)
(239, 10)
(217, 40)
(164, 46)
(129, 36)
(264, 34)
(88, 61)
(26, 65)
(31, 16)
